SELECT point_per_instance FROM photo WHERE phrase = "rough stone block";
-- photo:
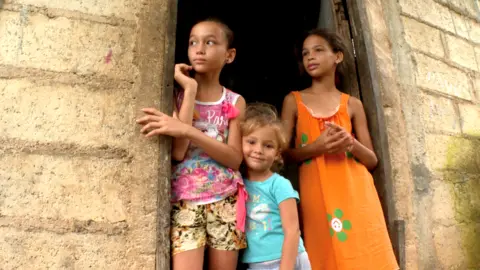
(440, 115)
(443, 203)
(10, 30)
(438, 76)
(467, 201)
(470, 117)
(43, 250)
(142, 262)
(142, 230)
(461, 27)
(470, 232)
(474, 30)
(61, 187)
(449, 247)
(467, 6)
(452, 153)
(429, 11)
(49, 112)
(125, 9)
(63, 45)
(467, 28)
(476, 82)
(423, 37)
(461, 52)
(477, 55)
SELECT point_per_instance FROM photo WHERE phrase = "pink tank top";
(199, 178)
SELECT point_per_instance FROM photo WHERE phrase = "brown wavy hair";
(260, 115)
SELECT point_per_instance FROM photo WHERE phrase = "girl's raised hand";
(183, 78)
(157, 123)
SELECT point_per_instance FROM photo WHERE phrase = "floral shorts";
(213, 224)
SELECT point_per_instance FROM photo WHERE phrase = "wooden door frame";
(371, 98)
(370, 92)
(163, 251)
(354, 25)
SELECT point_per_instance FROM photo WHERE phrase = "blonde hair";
(259, 115)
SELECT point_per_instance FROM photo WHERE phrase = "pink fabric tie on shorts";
(233, 112)
(241, 207)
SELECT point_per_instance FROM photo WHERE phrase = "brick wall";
(427, 57)
(444, 38)
(78, 185)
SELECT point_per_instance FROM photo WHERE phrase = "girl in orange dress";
(343, 222)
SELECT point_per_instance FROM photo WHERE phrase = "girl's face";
(208, 48)
(260, 149)
(318, 56)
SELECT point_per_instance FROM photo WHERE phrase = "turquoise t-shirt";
(264, 224)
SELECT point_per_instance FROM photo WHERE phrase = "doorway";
(266, 36)
(266, 67)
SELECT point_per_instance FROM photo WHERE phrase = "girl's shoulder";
(354, 102)
(290, 101)
(282, 189)
(280, 182)
(231, 91)
(296, 94)
(231, 96)
(235, 99)
(354, 106)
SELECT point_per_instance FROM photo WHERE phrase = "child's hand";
(337, 139)
(183, 78)
(157, 123)
(320, 142)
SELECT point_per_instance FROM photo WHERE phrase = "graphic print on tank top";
(199, 178)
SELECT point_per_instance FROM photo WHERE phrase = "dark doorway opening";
(266, 36)
(266, 67)
(266, 33)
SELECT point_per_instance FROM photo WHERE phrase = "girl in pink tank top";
(208, 195)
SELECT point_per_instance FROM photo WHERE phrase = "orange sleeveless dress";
(342, 219)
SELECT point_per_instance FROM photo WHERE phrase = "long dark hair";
(338, 45)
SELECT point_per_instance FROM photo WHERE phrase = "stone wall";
(427, 56)
(78, 184)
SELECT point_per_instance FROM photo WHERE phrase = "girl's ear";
(278, 163)
(279, 158)
(231, 53)
(339, 57)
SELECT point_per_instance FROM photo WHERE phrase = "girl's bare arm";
(289, 115)
(185, 114)
(291, 230)
(362, 146)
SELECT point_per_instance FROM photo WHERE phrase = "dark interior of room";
(265, 68)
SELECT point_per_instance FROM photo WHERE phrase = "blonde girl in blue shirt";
(272, 228)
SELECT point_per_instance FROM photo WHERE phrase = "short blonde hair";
(259, 115)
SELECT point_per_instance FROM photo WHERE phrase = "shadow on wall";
(462, 172)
